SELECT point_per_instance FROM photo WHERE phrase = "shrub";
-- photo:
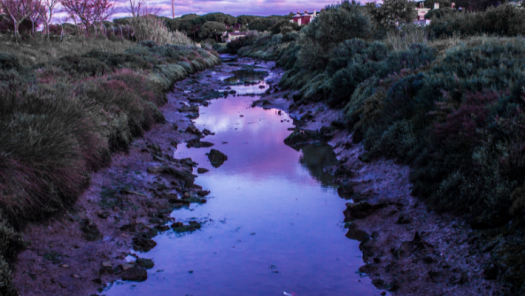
(503, 20)
(392, 13)
(153, 28)
(285, 25)
(236, 44)
(291, 36)
(82, 66)
(334, 25)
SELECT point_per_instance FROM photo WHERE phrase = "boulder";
(193, 130)
(143, 242)
(202, 170)
(217, 158)
(191, 108)
(146, 263)
(196, 143)
(357, 234)
(135, 274)
(90, 230)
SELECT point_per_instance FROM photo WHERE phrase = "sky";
(237, 7)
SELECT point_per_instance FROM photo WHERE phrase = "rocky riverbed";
(107, 237)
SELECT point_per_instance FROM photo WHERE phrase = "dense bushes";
(503, 20)
(456, 121)
(334, 25)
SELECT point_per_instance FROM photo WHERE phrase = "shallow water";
(273, 222)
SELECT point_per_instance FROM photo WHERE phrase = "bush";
(503, 20)
(153, 28)
(361, 65)
(285, 25)
(236, 44)
(291, 36)
(334, 25)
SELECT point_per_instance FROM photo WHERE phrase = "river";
(273, 224)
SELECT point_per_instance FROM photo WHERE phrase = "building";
(421, 12)
(230, 36)
(304, 18)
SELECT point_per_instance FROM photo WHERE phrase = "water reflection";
(271, 226)
(316, 158)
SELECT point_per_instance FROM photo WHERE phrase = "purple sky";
(232, 7)
(237, 7)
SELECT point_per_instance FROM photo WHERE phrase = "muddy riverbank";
(127, 204)
(407, 249)
(128, 211)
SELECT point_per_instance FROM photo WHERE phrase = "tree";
(140, 8)
(18, 10)
(478, 5)
(34, 16)
(211, 30)
(46, 12)
(89, 11)
(393, 13)
(334, 25)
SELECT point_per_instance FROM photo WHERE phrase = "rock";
(162, 227)
(196, 143)
(357, 234)
(261, 103)
(143, 242)
(179, 227)
(188, 162)
(203, 193)
(379, 283)
(404, 219)
(217, 158)
(417, 246)
(146, 263)
(176, 172)
(202, 170)
(177, 201)
(135, 274)
(193, 130)
(127, 266)
(297, 137)
(90, 230)
(345, 191)
(191, 108)
(301, 137)
(361, 210)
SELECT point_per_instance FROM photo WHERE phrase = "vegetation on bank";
(62, 114)
(450, 107)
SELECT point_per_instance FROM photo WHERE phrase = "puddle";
(273, 222)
